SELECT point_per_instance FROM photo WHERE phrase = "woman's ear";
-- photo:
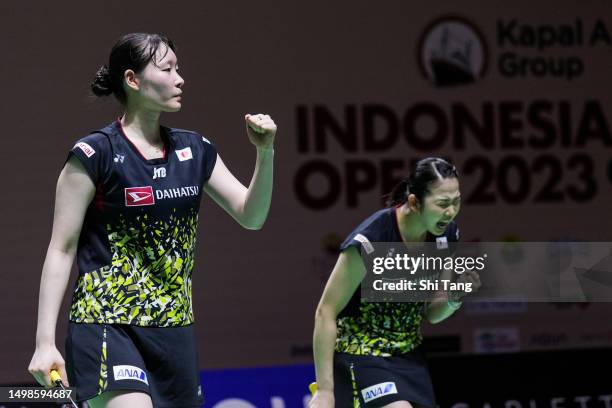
(413, 203)
(131, 80)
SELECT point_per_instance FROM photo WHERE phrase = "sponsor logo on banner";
(184, 154)
(452, 52)
(494, 308)
(563, 306)
(87, 149)
(547, 340)
(497, 340)
(567, 373)
(137, 196)
(127, 372)
(378, 391)
(347, 153)
(367, 245)
(577, 401)
(547, 49)
(596, 338)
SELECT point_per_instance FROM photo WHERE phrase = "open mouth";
(442, 225)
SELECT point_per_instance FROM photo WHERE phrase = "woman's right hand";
(45, 359)
(322, 399)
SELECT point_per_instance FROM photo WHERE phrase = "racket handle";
(55, 377)
(57, 380)
(313, 388)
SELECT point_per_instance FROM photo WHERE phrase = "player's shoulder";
(379, 221)
(377, 227)
(185, 135)
(97, 141)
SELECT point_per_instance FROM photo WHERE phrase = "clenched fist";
(261, 130)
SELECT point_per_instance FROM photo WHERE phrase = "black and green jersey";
(383, 328)
(136, 248)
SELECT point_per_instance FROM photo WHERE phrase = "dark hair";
(425, 173)
(133, 51)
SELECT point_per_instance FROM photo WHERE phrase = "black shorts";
(161, 361)
(370, 381)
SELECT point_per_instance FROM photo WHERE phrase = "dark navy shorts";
(372, 381)
(160, 361)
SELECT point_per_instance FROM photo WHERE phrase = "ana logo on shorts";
(452, 52)
(126, 372)
(378, 390)
(137, 196)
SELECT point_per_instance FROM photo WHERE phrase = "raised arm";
(74, 192)
(344, 280)
(248, 206)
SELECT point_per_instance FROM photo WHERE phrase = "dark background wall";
(309, 64)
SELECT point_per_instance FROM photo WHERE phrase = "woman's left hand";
(261, 130)
(472, 280)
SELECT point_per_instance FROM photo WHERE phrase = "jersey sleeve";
(366, 235)
(210, 157)
(360, 240)
(372, 230)
(93, 152)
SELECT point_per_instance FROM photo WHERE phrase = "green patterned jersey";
(385, 328)
(136, 249)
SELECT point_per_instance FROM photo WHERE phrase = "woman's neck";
(143, 126)
(410, 227)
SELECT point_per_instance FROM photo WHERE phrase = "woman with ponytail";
(367, 354)
(127, 203)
